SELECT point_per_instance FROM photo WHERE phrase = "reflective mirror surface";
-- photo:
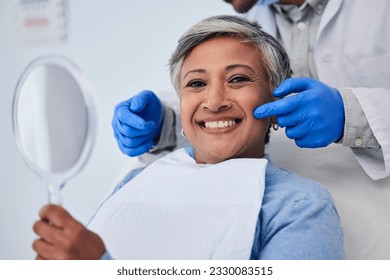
(53, 118)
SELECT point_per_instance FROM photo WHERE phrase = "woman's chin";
(214, 156)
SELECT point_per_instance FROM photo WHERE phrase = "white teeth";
(219, 124)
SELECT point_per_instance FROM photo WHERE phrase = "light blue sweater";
(298, 219)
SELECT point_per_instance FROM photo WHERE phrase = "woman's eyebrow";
(195, 71)
(233, 66)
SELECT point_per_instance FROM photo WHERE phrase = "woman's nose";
(216, 100)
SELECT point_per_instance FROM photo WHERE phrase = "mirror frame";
(57, 60)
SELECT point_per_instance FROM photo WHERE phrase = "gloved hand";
(137, 122)
(314, 117)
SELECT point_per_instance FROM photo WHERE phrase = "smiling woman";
(222, 82)
(223, 68)
(222, 198)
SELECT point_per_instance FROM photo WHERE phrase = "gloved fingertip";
(262, 112)
(145, 147)
(258, 113)
(279, 92)
(136, 104)
(147, 92)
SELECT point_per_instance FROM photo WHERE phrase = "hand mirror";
(53, 121)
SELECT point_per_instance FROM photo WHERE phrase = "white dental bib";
(178, 209)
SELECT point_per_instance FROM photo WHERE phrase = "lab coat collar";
(330, 11)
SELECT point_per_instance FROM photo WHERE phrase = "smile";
(219, 124)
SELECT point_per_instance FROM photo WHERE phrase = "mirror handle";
(55, 192)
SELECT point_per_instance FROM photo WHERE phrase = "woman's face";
(221, 82)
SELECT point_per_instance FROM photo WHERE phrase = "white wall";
(122, 46)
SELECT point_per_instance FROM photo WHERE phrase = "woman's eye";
(238, 79)
(196, 84)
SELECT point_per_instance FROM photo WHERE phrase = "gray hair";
(275, 59)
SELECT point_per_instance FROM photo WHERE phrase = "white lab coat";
(352, 51)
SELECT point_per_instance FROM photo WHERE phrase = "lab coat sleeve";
(357, 131)
(375, 103)
(167, 140)
(170, 138)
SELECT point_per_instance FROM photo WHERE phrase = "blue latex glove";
(314, 117)
(137, 122)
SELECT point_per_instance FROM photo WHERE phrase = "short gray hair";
(275, 59)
